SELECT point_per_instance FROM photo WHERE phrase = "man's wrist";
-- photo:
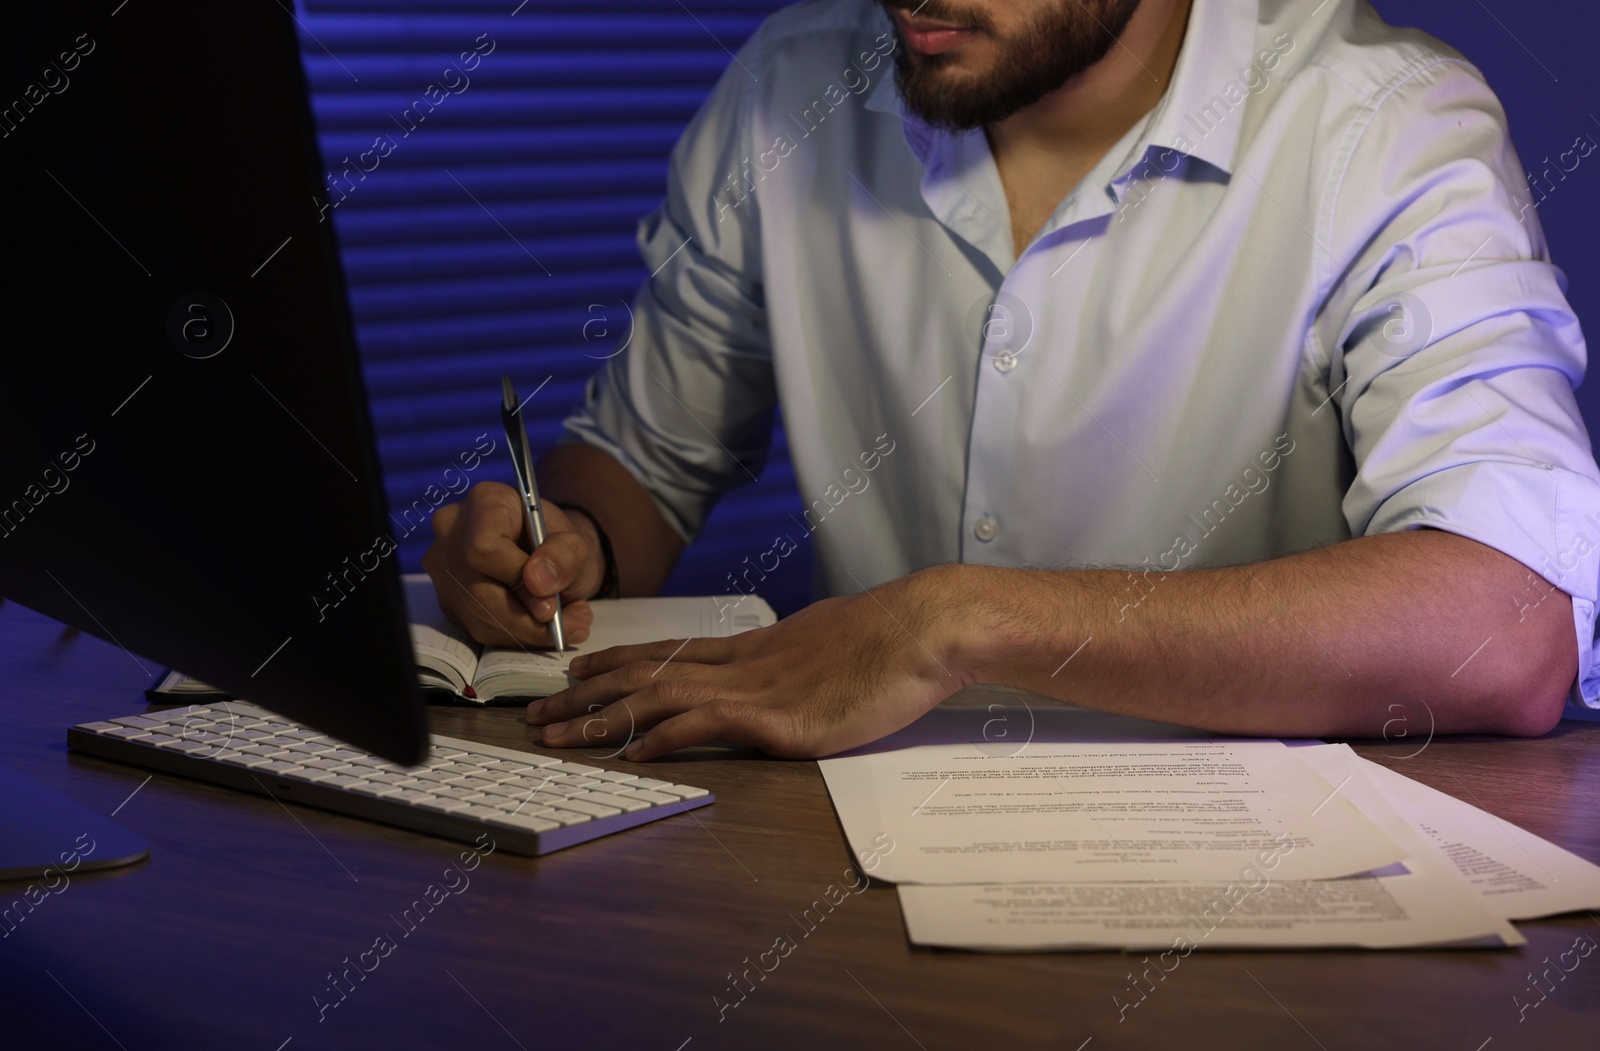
(989, 624)
(955, 617)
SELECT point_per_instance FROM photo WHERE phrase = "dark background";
(498, 235)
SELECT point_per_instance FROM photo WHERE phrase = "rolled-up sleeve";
(1456, 353)
(687, 403)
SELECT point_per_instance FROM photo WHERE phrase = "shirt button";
(985, 528)
(1005, 361)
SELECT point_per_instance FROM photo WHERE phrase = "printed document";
(1059, 807)
(1423, 901)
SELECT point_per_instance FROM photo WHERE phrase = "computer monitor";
(187, 467)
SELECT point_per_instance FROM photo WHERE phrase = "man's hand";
(837, 674)
(488, 584)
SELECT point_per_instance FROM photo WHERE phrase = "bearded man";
(1199, 360)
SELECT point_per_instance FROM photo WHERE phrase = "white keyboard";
(529, 804)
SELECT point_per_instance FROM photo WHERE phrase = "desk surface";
(226, 934)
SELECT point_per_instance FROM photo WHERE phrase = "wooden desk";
(224, 936)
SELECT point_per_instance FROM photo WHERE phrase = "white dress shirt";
(1306, 298)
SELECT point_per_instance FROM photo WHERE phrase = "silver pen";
(522, 461)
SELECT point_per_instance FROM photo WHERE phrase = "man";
(1243, 299)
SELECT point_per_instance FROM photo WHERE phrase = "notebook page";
(508, 672)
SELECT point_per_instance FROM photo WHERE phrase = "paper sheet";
(1424, 902)
(1519, 875)
(1069, 804)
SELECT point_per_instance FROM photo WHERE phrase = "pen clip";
(517, 439)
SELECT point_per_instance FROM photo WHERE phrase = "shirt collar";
(884, 96)
(1218, 47)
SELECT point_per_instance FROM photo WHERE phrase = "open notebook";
(448, 661)
(454, 669)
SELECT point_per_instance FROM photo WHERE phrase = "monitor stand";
(47, 837)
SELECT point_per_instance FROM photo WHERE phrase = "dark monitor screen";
(187, 467)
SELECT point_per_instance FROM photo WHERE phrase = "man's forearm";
(646, 548)
(1317, 644)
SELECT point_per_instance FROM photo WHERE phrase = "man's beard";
(1056, 46)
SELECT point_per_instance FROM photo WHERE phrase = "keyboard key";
(409, 795)
(653, 798)
(524, 784)
(271, 751)
(191, 726)
(128, 732)
(306, 735)
(326, 764)
(344, 781)
(567, 817)
(479, 811)
(584, 806)
(310, 773)
(614, 776)
(572, 768)
(444, 804)
(525, 822)
(572, 781)
(606, 799)
(156, 740)
(312, 747)
(244, 759)
(522, 788)
(536, 799)
(191, 747)
(277, 766)
(139, 722)
(543, 762)
(681, 791)
(99, 727)
(343, 753)
(651, 783)
(565, 791)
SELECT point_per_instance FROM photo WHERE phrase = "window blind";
(487, 166)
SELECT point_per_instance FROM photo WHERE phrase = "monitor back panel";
(188, 467)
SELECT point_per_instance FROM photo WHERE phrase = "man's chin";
(939, 95)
